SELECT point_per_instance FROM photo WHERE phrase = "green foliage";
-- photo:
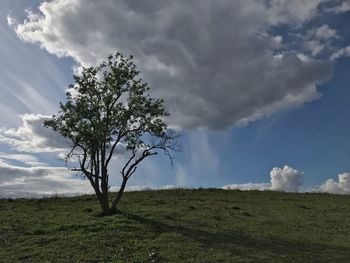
(179, 226)
(107, 103)
(106, 106)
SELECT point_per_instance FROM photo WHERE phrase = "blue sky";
(254, 85)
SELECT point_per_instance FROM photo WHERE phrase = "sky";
(260, 89)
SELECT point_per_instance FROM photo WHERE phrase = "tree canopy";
(109, 106)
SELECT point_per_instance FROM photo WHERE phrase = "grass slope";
(179, 226)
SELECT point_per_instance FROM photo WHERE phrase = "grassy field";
(179, 226)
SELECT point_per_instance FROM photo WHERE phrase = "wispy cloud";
(24, 158)
(203, 154)
(31, 81)
(339, 7)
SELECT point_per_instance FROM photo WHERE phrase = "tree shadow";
(240, 242)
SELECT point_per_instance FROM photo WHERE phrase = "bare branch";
(128, 162)
(112, 149)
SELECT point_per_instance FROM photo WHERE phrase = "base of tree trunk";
(110, 212)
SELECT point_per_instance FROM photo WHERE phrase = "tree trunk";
(119, 196)
(104, 203)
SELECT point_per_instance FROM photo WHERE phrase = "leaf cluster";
(109, 103)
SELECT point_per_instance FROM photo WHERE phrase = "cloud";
(325, 32)
(139, 188)
(149, 188)
(319, 41)
(341, 7)
(342, 186)
(290, 12)
(32, 136)
(202, 152)
(343, 52)
(31, 80)
(248, 187)
(201, 162)
(24, 182)
(24, 158)
(11, 21)
(32, 145)
(215, 64)
(181, 175)
(17, 181)
(284, 179)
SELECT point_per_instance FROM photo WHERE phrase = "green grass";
(179, 226)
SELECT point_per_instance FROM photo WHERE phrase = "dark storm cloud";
(216, 63)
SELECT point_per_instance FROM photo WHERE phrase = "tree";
(107, 107)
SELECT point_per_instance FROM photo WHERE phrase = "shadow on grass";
(238, 242)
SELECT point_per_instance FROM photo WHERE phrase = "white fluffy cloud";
(342, 186)
(216, 64)
(32, 136)
(284, 179)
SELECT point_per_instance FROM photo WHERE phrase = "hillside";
(179, 226)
